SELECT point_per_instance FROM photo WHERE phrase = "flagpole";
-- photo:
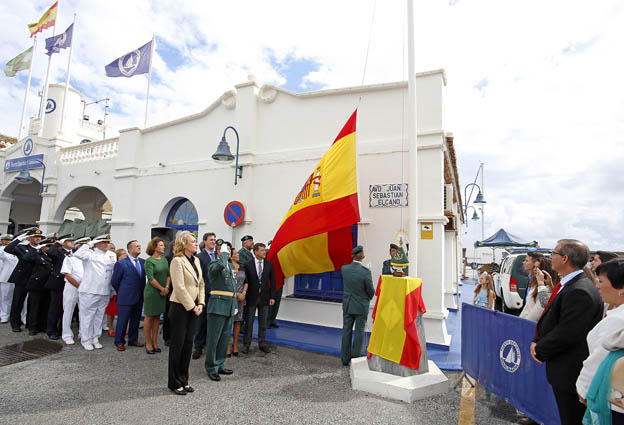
(68, 76)
(149, 80)
(32, 58)
(412, 136)
(44, 98)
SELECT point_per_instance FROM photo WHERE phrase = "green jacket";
(387, 268)
(221, 279)
(244, 256)
(358, 288)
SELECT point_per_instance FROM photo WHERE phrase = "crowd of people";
(206, 297)
(577, 304)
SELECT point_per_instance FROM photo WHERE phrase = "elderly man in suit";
(260, 295)
(206, 256)
(357, 293)
(574, 308)
(129, 282)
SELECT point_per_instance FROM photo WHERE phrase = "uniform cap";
(357, 250)
(86, 239)
(44, 243)
(246, 238)
(51, 236)
(6, 236)
(67, 237)
(102, 238)
(394, 246)
(219, 242)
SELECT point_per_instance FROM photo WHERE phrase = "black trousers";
(55, 312)
(182, 326)
(199, 341)
(274, 309)
(17, 304)
(617, 418)
(38, 309)
(263, 312)
(165, 326)
(571, 410)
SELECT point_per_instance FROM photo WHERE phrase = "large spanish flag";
(315, 234)
(46, 21)
(395, 336)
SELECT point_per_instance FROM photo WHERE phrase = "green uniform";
(387, 268)
(220, 310)
(245, 256)
(357, 293)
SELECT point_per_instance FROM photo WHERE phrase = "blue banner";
(23, 163)
(131, 64)
(495, 352)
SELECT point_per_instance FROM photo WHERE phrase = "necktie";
(137, 265)
(212, 255)
(552, 297)
(260, 275)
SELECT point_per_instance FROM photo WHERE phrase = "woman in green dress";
(155, 293)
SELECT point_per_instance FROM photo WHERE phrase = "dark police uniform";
(39, 295)
(56, 284)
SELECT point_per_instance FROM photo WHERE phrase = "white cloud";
(548, 124)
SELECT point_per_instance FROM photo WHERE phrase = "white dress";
(533, 308)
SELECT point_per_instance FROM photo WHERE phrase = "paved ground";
(288, 386)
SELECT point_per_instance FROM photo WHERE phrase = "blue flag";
(131, 64)
(58, 42)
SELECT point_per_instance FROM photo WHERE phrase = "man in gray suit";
(358, 291)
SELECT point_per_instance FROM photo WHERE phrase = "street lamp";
(475, 216)
(224, 155)
(24, 176)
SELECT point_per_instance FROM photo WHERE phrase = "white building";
(163, 176)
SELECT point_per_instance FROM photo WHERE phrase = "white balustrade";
(87, 152)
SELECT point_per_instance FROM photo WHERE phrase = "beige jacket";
(187, 287)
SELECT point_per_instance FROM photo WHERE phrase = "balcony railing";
(87, 152)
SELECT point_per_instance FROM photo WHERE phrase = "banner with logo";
(131, 64)
(495, 352)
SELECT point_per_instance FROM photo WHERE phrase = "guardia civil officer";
(357, 293)
(42, 266)
(95, 289)
(245, 253)
(73, 271)
(7, 265)
(56, 283)
(23, 243)
(221, 308)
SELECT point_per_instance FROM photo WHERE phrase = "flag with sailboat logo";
(132, 63)
(62, 41)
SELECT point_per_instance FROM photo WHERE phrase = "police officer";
(7, 265)
(221, 308)
(358, 291)
(56, 282)
(95, 289)
(41, 265)
(387, 267)
(245, 253)
(21, 274)
(73, 271)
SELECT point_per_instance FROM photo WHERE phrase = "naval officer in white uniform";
(7, 264)
(95, 289)
(73, 271)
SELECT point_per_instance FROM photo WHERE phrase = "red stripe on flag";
(340, 244)
(348, 128)
(411, 347)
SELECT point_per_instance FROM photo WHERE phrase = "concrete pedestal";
(407, 389)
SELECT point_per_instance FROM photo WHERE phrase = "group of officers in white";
(86, 265)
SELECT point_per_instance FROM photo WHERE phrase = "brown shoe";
(121, 348)
(137, 344)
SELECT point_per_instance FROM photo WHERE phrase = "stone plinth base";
(407, 389)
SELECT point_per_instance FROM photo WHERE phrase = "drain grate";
(29, 350)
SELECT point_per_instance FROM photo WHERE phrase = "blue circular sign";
(234, 214)
(50, 106)
(28, 147)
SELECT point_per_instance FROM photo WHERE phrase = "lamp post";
(24, 176)
(224, 155)
(479, 200)
(475, 216)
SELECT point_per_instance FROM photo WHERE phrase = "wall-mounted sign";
(234, 214)
(28, 147)
(50, 106)
(23, 163)
(387, 195)
(426, 230)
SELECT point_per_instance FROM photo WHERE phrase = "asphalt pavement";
(287, 386)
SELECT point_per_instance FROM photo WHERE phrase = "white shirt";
(569, 277)
(7, 264)
(73, 266)
(533, 309)
(597, 353)
(98, 270)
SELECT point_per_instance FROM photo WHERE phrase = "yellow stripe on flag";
(307, 255)
(388, 336)
(47, 20)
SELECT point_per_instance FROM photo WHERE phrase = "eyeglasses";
(557, 253)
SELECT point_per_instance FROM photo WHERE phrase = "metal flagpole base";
(407, 389)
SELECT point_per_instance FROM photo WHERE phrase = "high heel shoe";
(235, 353)
(148, 351)
(157, 350)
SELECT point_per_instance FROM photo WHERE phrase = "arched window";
(182, 216)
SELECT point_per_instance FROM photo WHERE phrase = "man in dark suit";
(206, 256)
(574, 308)
(260, 294)
(56, 283)
(22, 272)
(357, 293)
(129, 281)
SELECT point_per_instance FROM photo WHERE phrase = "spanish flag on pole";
(46, 21)
(315, 235)
(395, 336)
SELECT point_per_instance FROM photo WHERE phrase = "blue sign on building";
(23, 163)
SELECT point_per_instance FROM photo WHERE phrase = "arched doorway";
(26, 206)
(85, 211)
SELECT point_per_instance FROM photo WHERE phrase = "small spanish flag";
(395, 336)
(315, 234)
(47, 20)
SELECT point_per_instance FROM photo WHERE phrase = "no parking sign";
(234, 214)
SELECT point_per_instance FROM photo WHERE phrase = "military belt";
(226, 293)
